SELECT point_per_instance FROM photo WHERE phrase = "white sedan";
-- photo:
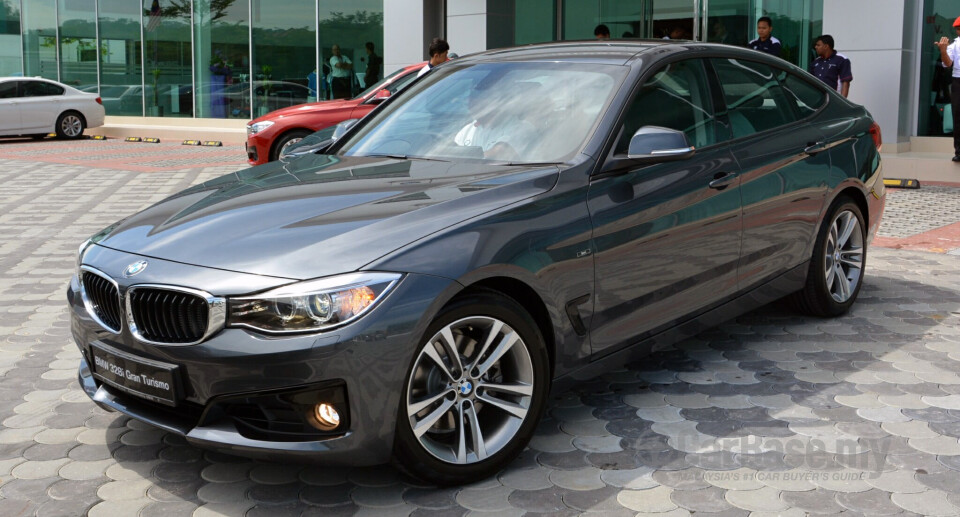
(35, 107)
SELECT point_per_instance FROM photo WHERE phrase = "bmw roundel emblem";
(135, 268)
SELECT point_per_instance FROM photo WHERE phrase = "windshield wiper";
(529, 164)
(406, 157)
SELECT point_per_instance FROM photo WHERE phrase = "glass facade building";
(192, 58)
(242, 58)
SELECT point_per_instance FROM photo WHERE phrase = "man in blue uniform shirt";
(765, 42)
(949, 53)
(830, 67)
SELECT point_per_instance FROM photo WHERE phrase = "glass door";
(795, 23)
(629, 18)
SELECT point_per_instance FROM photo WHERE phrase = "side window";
(755, 101)
(401, 83)
(807, 97)
(40, 89)
(8, 90)
(676, 97)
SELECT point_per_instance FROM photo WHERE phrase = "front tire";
(838, 262)
(70, 125)
(285, 141)
(474, 393)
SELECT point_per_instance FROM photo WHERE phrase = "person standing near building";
(374, 61)
(340, 69)
(830, 66)
(601, 32)
(438, 54)
(949, 54)
(765, 41)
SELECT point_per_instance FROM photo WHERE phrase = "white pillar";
(467, 26)
(402, 33)
(881, 46)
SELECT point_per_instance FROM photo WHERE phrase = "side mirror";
(379, 97)
(318, 142)
(659, 144)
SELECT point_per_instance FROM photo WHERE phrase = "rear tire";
(70, 125)
(286, 140)
(838, 262)
(474, 393)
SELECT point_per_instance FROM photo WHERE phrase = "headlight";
(80, 251)
(313, 305)
(253, 129)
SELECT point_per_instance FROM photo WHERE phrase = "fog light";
(327, 417)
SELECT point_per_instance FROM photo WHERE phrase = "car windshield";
(516, 112)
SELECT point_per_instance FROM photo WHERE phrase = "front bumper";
(367, 359)
(258, 147)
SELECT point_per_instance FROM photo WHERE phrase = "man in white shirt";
(496, 130)
(949, 54)
(340, 69)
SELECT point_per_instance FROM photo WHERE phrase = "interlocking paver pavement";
(773, 413)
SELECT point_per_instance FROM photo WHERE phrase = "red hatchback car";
(269, 134)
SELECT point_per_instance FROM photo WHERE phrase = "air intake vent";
(168, 316)
(102, 300)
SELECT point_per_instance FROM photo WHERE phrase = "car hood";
(309, 108)
(320, 215)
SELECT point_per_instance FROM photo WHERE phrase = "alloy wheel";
(843, 256)
(470, 390)
(71, 126)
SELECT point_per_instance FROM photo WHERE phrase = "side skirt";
(777, 288)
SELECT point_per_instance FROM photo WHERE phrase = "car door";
(9, 108)
(39, 105)
(666, 236)
(783, 162)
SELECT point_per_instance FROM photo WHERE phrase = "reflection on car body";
(397, 293)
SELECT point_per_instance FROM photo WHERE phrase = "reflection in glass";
(795, 24)
(40, 38)
(222, 54)
(284, 55)
(350, 25)
(121, 74)
(78, 44)
(628, 18)
(167, 58)
(11, 63)
(935, 112)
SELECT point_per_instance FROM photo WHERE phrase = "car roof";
(616, 52)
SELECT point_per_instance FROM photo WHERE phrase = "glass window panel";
(676, 97)
(78, 44)
(8, 89)
(795, 23)
(121, 71)
(40, 38)
(935, 112)
(628, 18)
(168, 59)
(807, 97)
(535, 21)
(284, 53)
(10, 45)
(39, 89)
(349, 25)
(222, 54)
(754, 99)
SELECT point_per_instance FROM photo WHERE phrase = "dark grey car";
(516, 220)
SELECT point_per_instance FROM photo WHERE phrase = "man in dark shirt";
(765, 42)
(831, 67)
(372, 74)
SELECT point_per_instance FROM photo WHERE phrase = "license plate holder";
(145, 378)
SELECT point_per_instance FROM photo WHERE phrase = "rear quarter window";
(807, 97)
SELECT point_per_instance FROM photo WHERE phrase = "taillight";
(875, 133)
(99, 100)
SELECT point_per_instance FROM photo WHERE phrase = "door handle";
(722, 180)
(814, 147)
